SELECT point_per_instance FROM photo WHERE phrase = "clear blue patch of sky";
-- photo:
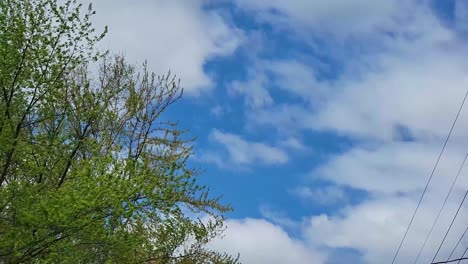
(445, 11)
(403, 133)
(345, 256)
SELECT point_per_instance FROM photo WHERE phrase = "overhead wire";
(441, 209)
(429, 179)
(458, 243)
(463, 256)
(450, 261)
(450, 227)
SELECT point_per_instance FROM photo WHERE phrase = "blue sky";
(318, 121)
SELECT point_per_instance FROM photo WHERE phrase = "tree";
(89, 173)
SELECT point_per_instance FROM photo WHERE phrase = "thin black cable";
(430, 178)
(441, 209)
(449, 261)
(463, 256)
(450, 227)
(458, 243)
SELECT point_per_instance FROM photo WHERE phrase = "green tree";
(89, 173)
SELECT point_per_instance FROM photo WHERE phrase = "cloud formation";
(262, 242)
(243, 152)
(403, 75)
(397, 103)
(173, 35)
(335, 17)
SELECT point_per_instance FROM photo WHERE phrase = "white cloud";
(391, 168)
(286, 118)
(280, 218)
(376, 227)
(292, 143)
(321, 195)
(254, 91)
(420, 93)
(296, 78)
(261, 242)
(175, 35)
(289, 75)
(415, 81)
(337, 17)
(217, 111)
(397, 102)
(377, 92)
(243, 152)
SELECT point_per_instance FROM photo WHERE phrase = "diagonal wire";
(441, 209)
(463, 256)
(453, 260)
(429, 179)
(458, 243)
(450, 261)
(450, 227)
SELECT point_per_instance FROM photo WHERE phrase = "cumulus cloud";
(397, 103)
(375, 228)
(175, 35)
(421, 93)
(262, 242)
(415, 91)
(391, 168)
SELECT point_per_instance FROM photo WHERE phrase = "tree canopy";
(89, 171)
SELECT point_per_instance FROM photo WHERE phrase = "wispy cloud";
(292, 143)
(328, 195)
(242, 152)
(333, 17)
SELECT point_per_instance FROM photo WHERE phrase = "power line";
(450, 261)
(450, 227)
(458, 243)
(462, 257)
(441, 209)
(453, 260)
(430, 178)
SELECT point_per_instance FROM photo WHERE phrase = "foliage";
(88, 171)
